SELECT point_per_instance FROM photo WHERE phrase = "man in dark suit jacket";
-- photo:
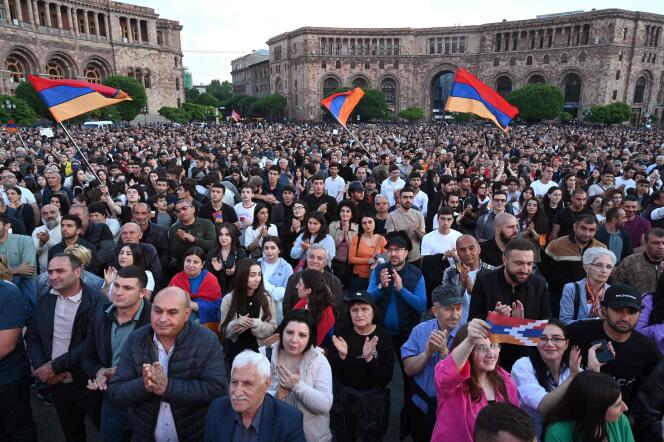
(249, 411)
(155, 235)
(71, 226)
(57, 331)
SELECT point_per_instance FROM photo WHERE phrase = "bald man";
(505, 229)
(168, 396)
(131, 233)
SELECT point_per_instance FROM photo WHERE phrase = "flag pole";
(356, 139)
(18, 132)
(81, 153)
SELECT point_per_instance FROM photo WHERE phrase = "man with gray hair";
(47, 235)
(249, 413)
(316, 260)
(169, 372)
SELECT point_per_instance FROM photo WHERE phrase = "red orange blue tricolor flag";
(67, 99)
(10, 127)
(341, 104)
(470, 95)
(517, 331)
(235, 116)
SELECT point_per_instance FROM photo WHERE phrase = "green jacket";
(202, 229)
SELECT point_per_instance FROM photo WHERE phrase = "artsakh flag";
(341, 104)
(470, 95)
(10, 127)
(67, 99)
(517, 331)
(235, 116)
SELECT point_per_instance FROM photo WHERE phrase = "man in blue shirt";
(16, 421)
(428, 343)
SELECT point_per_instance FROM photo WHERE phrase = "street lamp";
(145, 112)
(11, 107)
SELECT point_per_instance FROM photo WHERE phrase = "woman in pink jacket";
(467, 380)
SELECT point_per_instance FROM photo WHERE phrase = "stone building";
(595, 57)
(91, 40)
(251, 74)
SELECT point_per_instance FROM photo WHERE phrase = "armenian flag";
(67, 99)
(341, 104)
(235, 116)
(10, 127)
(517, 331)
(470, 95)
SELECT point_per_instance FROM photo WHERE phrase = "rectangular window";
(615, 94)
(447, 45)
(432, 46)
(462, 45)
(454, 45)
(617, 75)
(440, 45)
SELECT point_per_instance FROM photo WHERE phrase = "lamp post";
(145, 112)
(220, 110)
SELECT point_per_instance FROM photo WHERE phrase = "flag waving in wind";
(517, 331)
(235, 116)
(470, 95)
(67, 99)
(10, 127)
(341, 104)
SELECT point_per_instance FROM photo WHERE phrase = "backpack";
(577, 300)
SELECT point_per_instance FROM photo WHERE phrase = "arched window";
(330, 84)
(441, 84)
(278, 86)
(55, 71)
(546, 59)
(640, 89)
(537, 78)
(323, 64)
(389, 88)
(338, 64)
(620, 55)
(572, 85)
(360, 82)
(93, 73)
(529, 60)
(17, 67)
(504, 86)
(513, 61)
(147, 80)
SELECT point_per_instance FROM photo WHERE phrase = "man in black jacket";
(155, 235)
(169, 373)
(107, 335)
(648, 408)
(97, 234)
(56, 336)
(319, 201)
(511, 290)
(70, 228)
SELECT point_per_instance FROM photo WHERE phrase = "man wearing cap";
(429, 342)
(635, 356)
(398, 288)
(356, 194)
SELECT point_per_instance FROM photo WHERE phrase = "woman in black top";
(362, 360)
(226, 253)
(552, 203)
(24, 211)
(291, 227)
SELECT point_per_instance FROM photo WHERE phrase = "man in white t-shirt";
(444, 238)
(421, 199)
(391, 184)
(626, 180)
(334, 184)
(245, 210)
(542, 186)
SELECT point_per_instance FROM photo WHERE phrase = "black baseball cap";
(446, 295)
(399, 238)
(359, 296)
(622, 296)
(355, 186)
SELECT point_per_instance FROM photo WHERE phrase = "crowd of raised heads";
(255, 282)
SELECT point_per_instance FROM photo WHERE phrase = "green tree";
(614, 113)
(27, 93)
(537, 102)
(271, 107)
(246, 106)
(207, 99)
(175, 114)
(221, 90)
(412, 114)
(191, 94)
(128, 110)
(23, 115)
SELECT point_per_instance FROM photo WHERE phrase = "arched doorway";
(440, 90)
(572, 87)
(535, 79)
(389, 88)
(329, 85)
(640, 90)
(504, 86)
(360, 82)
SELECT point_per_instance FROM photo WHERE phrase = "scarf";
(209, 289)
(595, 299)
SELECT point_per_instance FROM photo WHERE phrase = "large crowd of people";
(263, 281)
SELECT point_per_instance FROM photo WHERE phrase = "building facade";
(251, 74)
(595, 57)
(91, 40)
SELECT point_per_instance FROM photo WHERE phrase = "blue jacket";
(567, 302)
(400, 311)
(280, 422)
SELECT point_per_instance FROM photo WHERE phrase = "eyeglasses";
(483, 348)
(395, 249)
(181, 209)
(298, 207)
(602, 266)
(556, 340)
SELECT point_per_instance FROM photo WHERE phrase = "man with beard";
(635, 356)
(216, 210)
(642, 270)
(70, 231)
(635, 225)
(562, 260)
(154, 235)
(511, 290)
(505, 228)
(565, 218)
(47, 235)
(408, 220)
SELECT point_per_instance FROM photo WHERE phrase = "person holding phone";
(634, 356)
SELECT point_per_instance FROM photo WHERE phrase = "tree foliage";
(128, 110)
(220, 90)
(537, 102)
(27, 93)
(175, 114)
(191, 94)
(412, 114)
(270, 107)
(614, 113)
(23, 114)
(189, 112)
(207, 99)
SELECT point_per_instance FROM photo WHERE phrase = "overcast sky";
(218, 31)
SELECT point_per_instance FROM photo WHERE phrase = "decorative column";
(35, 11)
(130, 34)
(31, 15)
(19, 11)
(86, 27)
(58, 13)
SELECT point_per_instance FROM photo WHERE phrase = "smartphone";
(603, 353)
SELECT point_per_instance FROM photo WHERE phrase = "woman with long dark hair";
(248, 315)
(651, 320)
(526, 194)
(533, 222)
(316, 232)
(291, 227)
(343, 232)
(259, 229)
(364, 250)
(23, 210)
(61, 201)
(543, 377)
(129, 255)
(591, 410)
(317, 297)
(467, 380)
(568, 186)
(224, 255)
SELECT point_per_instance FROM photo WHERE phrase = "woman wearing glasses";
(468, 380)
(581, 299)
